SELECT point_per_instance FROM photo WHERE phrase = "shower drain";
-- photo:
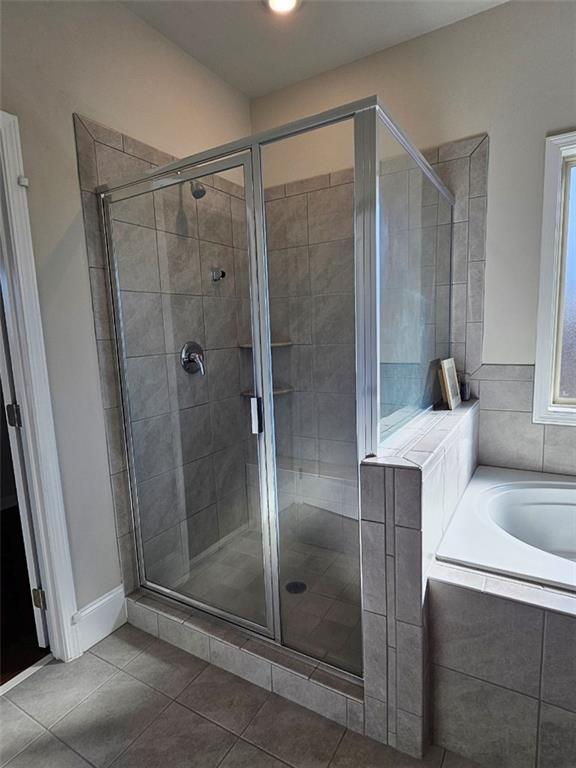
(296, 587)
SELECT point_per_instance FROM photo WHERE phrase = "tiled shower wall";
(166, 248)
(310, 227)
(432, 271)
(106, 155)
(189, 431)
(463, 166)
(415, 244)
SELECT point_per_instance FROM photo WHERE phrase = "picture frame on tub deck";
(449, 383)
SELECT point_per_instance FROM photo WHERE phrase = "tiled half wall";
(407, 499)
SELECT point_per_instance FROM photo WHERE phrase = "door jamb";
(28, 355)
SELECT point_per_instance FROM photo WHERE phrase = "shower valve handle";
(192, 358)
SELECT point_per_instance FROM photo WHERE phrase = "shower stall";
(280, 303)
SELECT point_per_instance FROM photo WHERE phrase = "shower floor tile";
(323, 621)
(218, 720)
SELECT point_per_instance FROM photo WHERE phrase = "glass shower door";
(181, 250)
(309, 216)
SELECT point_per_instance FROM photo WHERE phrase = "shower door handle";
(256, 415)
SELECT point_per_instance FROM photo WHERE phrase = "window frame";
(560, 155)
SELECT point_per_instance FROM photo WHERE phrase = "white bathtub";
(516, 523)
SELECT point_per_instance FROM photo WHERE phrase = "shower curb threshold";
(336, 695)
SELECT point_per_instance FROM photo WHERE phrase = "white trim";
(24, 327)
(101, 617)
(558, 148)
(25, 674)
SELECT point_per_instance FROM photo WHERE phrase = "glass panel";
(182, 273)
(309, 193)
(415, 234)
(567, 336)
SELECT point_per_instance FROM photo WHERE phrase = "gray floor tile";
(244, 755)
(53, 691)
(165, 667)
(361, 752)
(122, 646)
(224, 698)
(48, 752)
(557, 738)
(103, 726)
(294, 734)
(17, 730)
(180, 739)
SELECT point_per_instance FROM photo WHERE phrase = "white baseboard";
(101, 617)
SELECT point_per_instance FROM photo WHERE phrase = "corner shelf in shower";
(274, 344)
(275, 391)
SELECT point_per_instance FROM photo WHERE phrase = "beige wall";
(511, 72)
(100, 60)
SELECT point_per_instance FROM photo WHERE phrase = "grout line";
(540, 680)
(82, 701)
(340, 740)
(28, 744)
(228, 750)
(49, 727)
(486, 682)
(145, 728)
(68, 746)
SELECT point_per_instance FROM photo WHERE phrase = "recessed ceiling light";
(282, 6)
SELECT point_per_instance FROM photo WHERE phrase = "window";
(555, 383)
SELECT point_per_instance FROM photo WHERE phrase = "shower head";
(198, 190)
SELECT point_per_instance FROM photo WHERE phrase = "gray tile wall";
(189, 432)
(311, 287)
(504, 676)
(446, 272)
(415, 247)
(311, 284)
(405, 508)
(508, 436)
(463, 166)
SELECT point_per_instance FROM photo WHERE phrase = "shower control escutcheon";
(192, 358)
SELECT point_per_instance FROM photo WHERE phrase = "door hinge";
(39, 598)
(13, 416)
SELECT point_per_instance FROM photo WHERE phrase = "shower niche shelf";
(276, 391)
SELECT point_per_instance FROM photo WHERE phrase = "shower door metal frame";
(242, 160)
(366, 113)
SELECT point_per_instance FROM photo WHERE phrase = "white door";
(13, 419)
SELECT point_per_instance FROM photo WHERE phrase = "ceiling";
(259, 52)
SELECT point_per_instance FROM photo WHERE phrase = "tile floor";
(136, 702)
